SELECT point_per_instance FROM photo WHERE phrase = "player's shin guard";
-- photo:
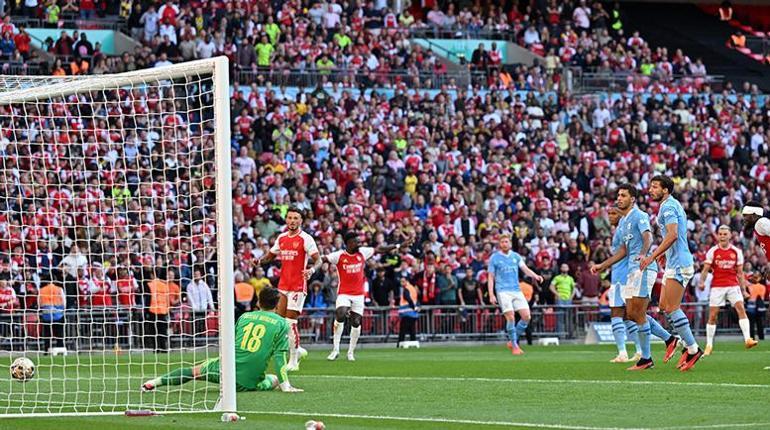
(744, 324)
(510, 328)
(175, 377)
(711, 331)
(293, 341)
(644, 340)
(354, 333)
(339, 327)
(619, 333)
(682, 326)
(657, 330)
(633, 335)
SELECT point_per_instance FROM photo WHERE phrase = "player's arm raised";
(668, 240)
(619, 255)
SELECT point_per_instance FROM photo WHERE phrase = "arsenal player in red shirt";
(727, 285)
(350, 265)
(755, 223)
(293, 248)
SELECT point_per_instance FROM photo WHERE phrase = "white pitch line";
(536, 381)
(441, 420)
(498, 423)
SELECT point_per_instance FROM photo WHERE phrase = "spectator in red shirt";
(22, 41)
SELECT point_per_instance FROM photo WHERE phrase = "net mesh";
(107, 240)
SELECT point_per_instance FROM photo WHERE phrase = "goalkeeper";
(259, 336)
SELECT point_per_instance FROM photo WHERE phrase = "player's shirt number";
(252, 337)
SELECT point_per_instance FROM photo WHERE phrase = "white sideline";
(499, 423)
(535, 381)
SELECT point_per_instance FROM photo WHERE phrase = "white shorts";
(679, 274)
(639, 284)
(615, 296)
(355, 303)
(512, 301)
(719, 295)
(295, 300)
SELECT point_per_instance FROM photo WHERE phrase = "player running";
(672, 221)
(350, 265)
(635, 235)
(259, 337)
(503, 278)
(727, 285)
(293, 247)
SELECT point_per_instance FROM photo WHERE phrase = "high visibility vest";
(160, 296)
(617, 25)
(243, 292)
(50, 301)
(404, 307)
(527, 290)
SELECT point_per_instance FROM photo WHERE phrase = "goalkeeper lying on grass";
(259, 336)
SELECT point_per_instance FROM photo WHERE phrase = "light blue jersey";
(634, 224)
(678, 256)
(505, 267)
(619, 269)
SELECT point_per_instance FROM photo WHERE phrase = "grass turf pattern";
(566, 387)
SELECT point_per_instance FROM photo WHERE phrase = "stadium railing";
(119, 327)
(73, 22)
(587, 81)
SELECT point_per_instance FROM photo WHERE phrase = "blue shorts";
(679, 274)
(615, 296)
(639, 284)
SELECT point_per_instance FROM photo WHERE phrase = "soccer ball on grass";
(22, 369)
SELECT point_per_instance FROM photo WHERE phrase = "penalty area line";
(535, 381)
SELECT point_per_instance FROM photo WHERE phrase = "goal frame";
(218, 67)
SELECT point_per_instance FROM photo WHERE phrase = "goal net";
(116, 239)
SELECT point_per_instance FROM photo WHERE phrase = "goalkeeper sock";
(293, 341)
(339, 327)
(354, 333)
(175, 377)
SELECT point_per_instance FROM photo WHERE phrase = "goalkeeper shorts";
(210, 372)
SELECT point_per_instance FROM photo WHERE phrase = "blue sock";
(510, 327)
(644, 339)
(521, 327)
(682, 326)
(633, 335)
(657, 330)
(619, 333)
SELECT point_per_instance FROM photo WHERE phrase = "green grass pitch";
(566, 387)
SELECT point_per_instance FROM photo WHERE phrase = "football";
(22, 369)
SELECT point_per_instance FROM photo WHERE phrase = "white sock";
(692, 349)
(744, 323)
(293, 341)
(711, 331)
(339, 327)
(354, 333)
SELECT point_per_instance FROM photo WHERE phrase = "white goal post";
(115, 221)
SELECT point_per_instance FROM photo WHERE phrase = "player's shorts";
(295, 300)
(210, 372)
(679, 274)
(639, 284)
(615, 296)
(512, 301)
(719, 295)
(355, 303)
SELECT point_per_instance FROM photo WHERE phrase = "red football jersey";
(293, 252)
(350, 268)
(724, 263)
(762, 234)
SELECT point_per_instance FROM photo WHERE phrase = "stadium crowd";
(452, 168)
